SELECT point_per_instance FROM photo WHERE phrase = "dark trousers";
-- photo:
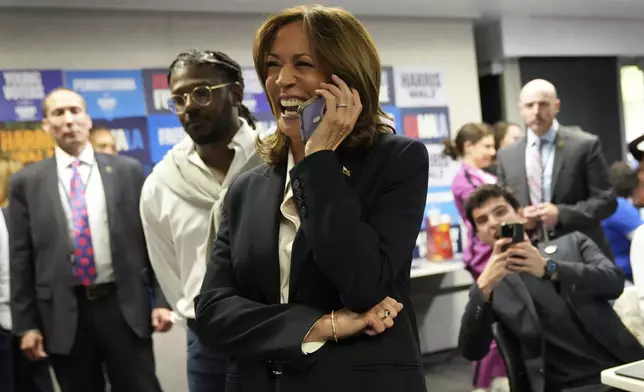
(17, 373)
(206, 369)
(103, 338)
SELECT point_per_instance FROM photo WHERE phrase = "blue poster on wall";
(23, 91)
(131, 136)
(165, 131)
(109, 94)
(157, 93)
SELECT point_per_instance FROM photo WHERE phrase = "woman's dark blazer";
(360, 214)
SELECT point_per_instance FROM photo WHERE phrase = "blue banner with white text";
(109, 94)
(23, 91)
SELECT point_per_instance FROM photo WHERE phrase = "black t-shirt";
(572, 356)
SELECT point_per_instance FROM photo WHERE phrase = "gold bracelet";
(335, 337)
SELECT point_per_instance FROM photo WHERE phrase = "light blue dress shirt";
(547, 157)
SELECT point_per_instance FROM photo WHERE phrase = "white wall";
(111, 40)
(571, 37)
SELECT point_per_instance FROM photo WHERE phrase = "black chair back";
(510, 349)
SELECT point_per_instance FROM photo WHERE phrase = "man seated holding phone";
(553, 297)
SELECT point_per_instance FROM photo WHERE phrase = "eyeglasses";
(201, 95)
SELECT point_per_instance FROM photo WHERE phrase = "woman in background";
(17, 373)
(505, 134)
(474, 146)
(311, 263)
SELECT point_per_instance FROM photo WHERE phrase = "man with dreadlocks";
(181, 199)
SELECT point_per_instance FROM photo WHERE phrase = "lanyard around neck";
(68, 193)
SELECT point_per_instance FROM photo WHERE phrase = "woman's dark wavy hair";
(342, 46)
(219, 61)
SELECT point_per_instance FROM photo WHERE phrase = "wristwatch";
(551, 269)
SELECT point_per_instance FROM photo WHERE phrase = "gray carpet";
(448, 372)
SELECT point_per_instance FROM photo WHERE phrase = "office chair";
(510, 349)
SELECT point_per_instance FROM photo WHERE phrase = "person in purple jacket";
(474, 146)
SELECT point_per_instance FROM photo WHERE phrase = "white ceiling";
(416, 8)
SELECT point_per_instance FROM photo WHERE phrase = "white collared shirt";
(289, 225)
(176, 231)
(5, 296)
(96, 207)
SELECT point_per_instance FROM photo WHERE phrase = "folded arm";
(239, 326)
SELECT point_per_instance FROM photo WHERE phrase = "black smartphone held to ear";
(311, 113)
(512, 230)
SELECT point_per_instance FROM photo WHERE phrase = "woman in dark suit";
(307, 288)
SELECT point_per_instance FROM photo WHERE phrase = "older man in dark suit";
(558, 173)
(80, 273)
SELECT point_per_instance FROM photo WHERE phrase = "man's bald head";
(539, 86)
(539, 105)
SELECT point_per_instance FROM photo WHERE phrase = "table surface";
(424, 267)
(609, 378)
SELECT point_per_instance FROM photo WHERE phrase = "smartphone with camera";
(311, 113)
(512, 230)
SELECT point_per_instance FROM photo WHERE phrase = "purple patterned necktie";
(84, 267)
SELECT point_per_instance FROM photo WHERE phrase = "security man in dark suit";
(80, 275)
(558, 173)
(553, 298)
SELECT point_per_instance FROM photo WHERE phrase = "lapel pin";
(108, 169)
(550, 249)
(346, 171)
(560, 143)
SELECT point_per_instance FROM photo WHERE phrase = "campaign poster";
(23, 92)
(442, 170)
(164, 131)
(131, 136)
(430, 125)
(109, 94)
(254, 97)
(387, 87)
(419, 86)
(25, 141)
(157, 93)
